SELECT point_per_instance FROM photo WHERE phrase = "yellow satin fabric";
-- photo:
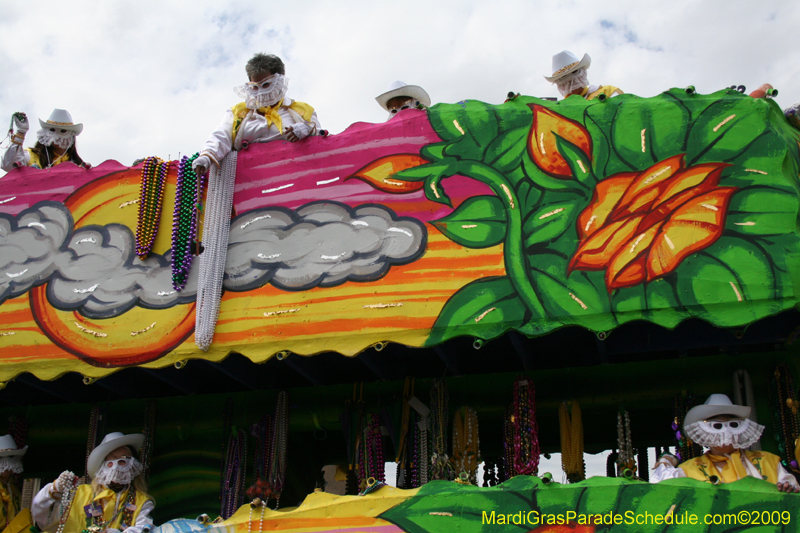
(37, 163)
(607, 90)
(240, 110)
(10, 499)
(77, 520)
(703, 467)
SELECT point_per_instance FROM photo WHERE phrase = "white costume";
(255, 129)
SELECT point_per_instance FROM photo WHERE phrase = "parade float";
(627, 256)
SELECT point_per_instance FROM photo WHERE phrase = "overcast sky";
(155, 77)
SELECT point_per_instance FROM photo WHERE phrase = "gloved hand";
(86, 165)
(112, 530)
(64, 481)
(668, 459)
(298, 131)
(201, 165)
(21, 123)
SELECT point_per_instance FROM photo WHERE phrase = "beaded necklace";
(440, 462)
(146, 451)
(67, 496)
(276, 474)
(235, 474)
(96, 524)
(508, 446)
(256, 503)
(188, 198)
(785, 414)
(526, 432)
(625, 457)
(151, 196)
(263, 433)
(215, 241)
(571, 442)
(466, 443)
(94, 423)
(371, 463)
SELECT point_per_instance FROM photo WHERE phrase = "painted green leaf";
(630, 126)
(549, 222)
(578, 162)
(663, 306)
(581, 296)
(434, 191)
(433, 151)
(725, 129)
(761, 210)
(730, 284)
(505, 152)
(469, 127)
(484, 308)
(598, 120)
(479, 222)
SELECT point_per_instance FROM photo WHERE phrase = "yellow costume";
(703, 467)
(80, 517)
(10, 504)
(35, 162)
(607, 90)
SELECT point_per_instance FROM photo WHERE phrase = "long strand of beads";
(526, 433)
(184, 221)
(215, 244)
(277, 473)
(440, 462)
(151, 196)
(67, 496)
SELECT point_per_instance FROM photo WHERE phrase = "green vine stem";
(513, 256)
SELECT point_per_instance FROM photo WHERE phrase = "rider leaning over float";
(55, 142)
(10, 464)
(569, 75)
(115, 501)
(265, 115)
(727, 431)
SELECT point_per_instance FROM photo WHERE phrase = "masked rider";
(55, 142)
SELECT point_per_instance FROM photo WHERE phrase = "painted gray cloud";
(95, 270)
(30, 245)
(321, 244)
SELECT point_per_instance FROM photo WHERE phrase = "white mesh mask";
(55, 136)
(123, 471)
(738, 432)
(574, 80)
(13, 463)
(266, 92)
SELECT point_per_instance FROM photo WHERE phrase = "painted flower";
(639, 226)
(542, 142)
(379, 173)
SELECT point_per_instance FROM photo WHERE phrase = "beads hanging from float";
(785, 416)
(525, 450)
(188, 202)
(572, 442)
(466, 445)
(151, 198)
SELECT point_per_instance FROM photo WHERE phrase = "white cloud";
(154, 78)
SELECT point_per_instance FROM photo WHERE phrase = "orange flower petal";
(632, 274)
(647, 181)
(666, 208)
(626, 268)
(596, 251)
(379, 173)
(693, 226)
(542, 141)
(706, 174)
(605, 198)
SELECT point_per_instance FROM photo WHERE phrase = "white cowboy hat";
(60, 118)
(8, 448)
(565, 63)
(716, 405)
(399, 88)
(111, 442)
